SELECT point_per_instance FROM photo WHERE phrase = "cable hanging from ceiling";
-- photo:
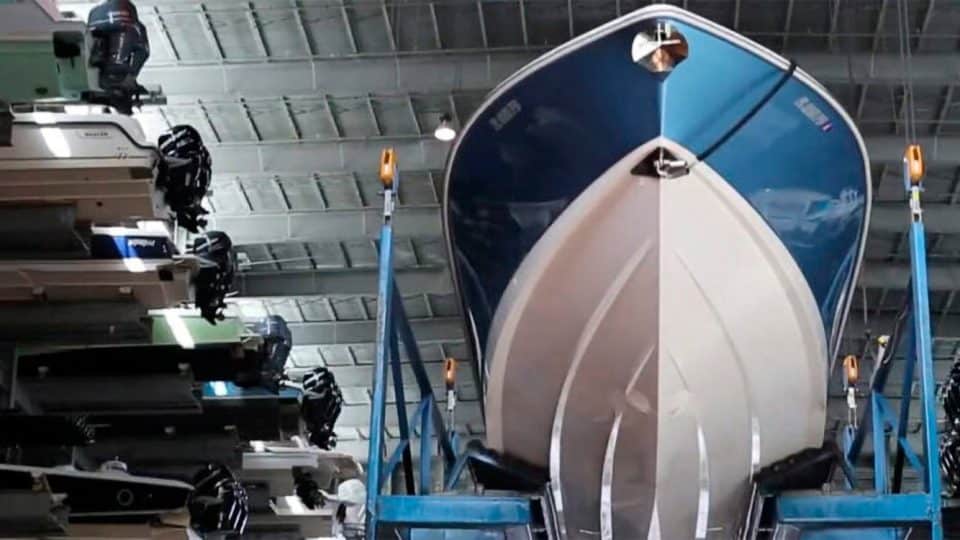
(908, 111)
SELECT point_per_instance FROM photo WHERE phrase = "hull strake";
(667, 380)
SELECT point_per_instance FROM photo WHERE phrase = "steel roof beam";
(428, 279)
(221, 180)
(894, 217)
(436, 280)
(472, 69)
(325, 225)
(302, 27)
(348, 28)
(884, 323)
(204, 16)
(358, 416)
(362, 223)
(355, 155)
(451, 329)
(788, 20)
(434, 71)
(941, 277)
(341, 155)
(437, 41)
(927, 18)
(161, 26)
(834, 19)
(359, 376)
(347, 332)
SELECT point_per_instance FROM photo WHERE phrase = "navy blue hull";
(548, 132)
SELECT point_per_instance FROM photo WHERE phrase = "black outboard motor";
(219, 502)
(271, 358)
(950, 463)
(120, 48)
(306, 488)
(6, 124)
(278, 341)
(215, 277)
(320, 406)
(185, 175)
(950, 439)
(950, 396)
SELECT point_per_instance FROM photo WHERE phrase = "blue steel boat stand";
(418, 509)
(885, 511)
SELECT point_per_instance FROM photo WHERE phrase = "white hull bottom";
(641, 350)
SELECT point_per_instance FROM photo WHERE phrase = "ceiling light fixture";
(445, 131)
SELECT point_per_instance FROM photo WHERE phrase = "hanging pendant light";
(445, 131)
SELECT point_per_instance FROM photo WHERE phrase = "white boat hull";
(630, 340)
(99, 164)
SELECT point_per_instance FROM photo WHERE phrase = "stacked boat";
(102, 243)
(56, 56)
(115, 341)
(92, 213)
(656, 230)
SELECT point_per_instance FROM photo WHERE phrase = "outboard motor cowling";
(120, 48)
(320, 406)
(219, 502)
(277, 343)
(215, 277)
(306, 488)
(185, 175)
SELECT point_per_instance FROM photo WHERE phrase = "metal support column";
(886, 507)
(375, 473)
(420, 510)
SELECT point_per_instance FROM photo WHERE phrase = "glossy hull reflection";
(634, 327)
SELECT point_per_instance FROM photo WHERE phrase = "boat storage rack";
(884, 512)
(887, 511)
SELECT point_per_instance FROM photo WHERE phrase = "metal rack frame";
(418, 508)
(886, 505)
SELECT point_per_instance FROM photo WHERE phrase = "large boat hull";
(634, 329)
